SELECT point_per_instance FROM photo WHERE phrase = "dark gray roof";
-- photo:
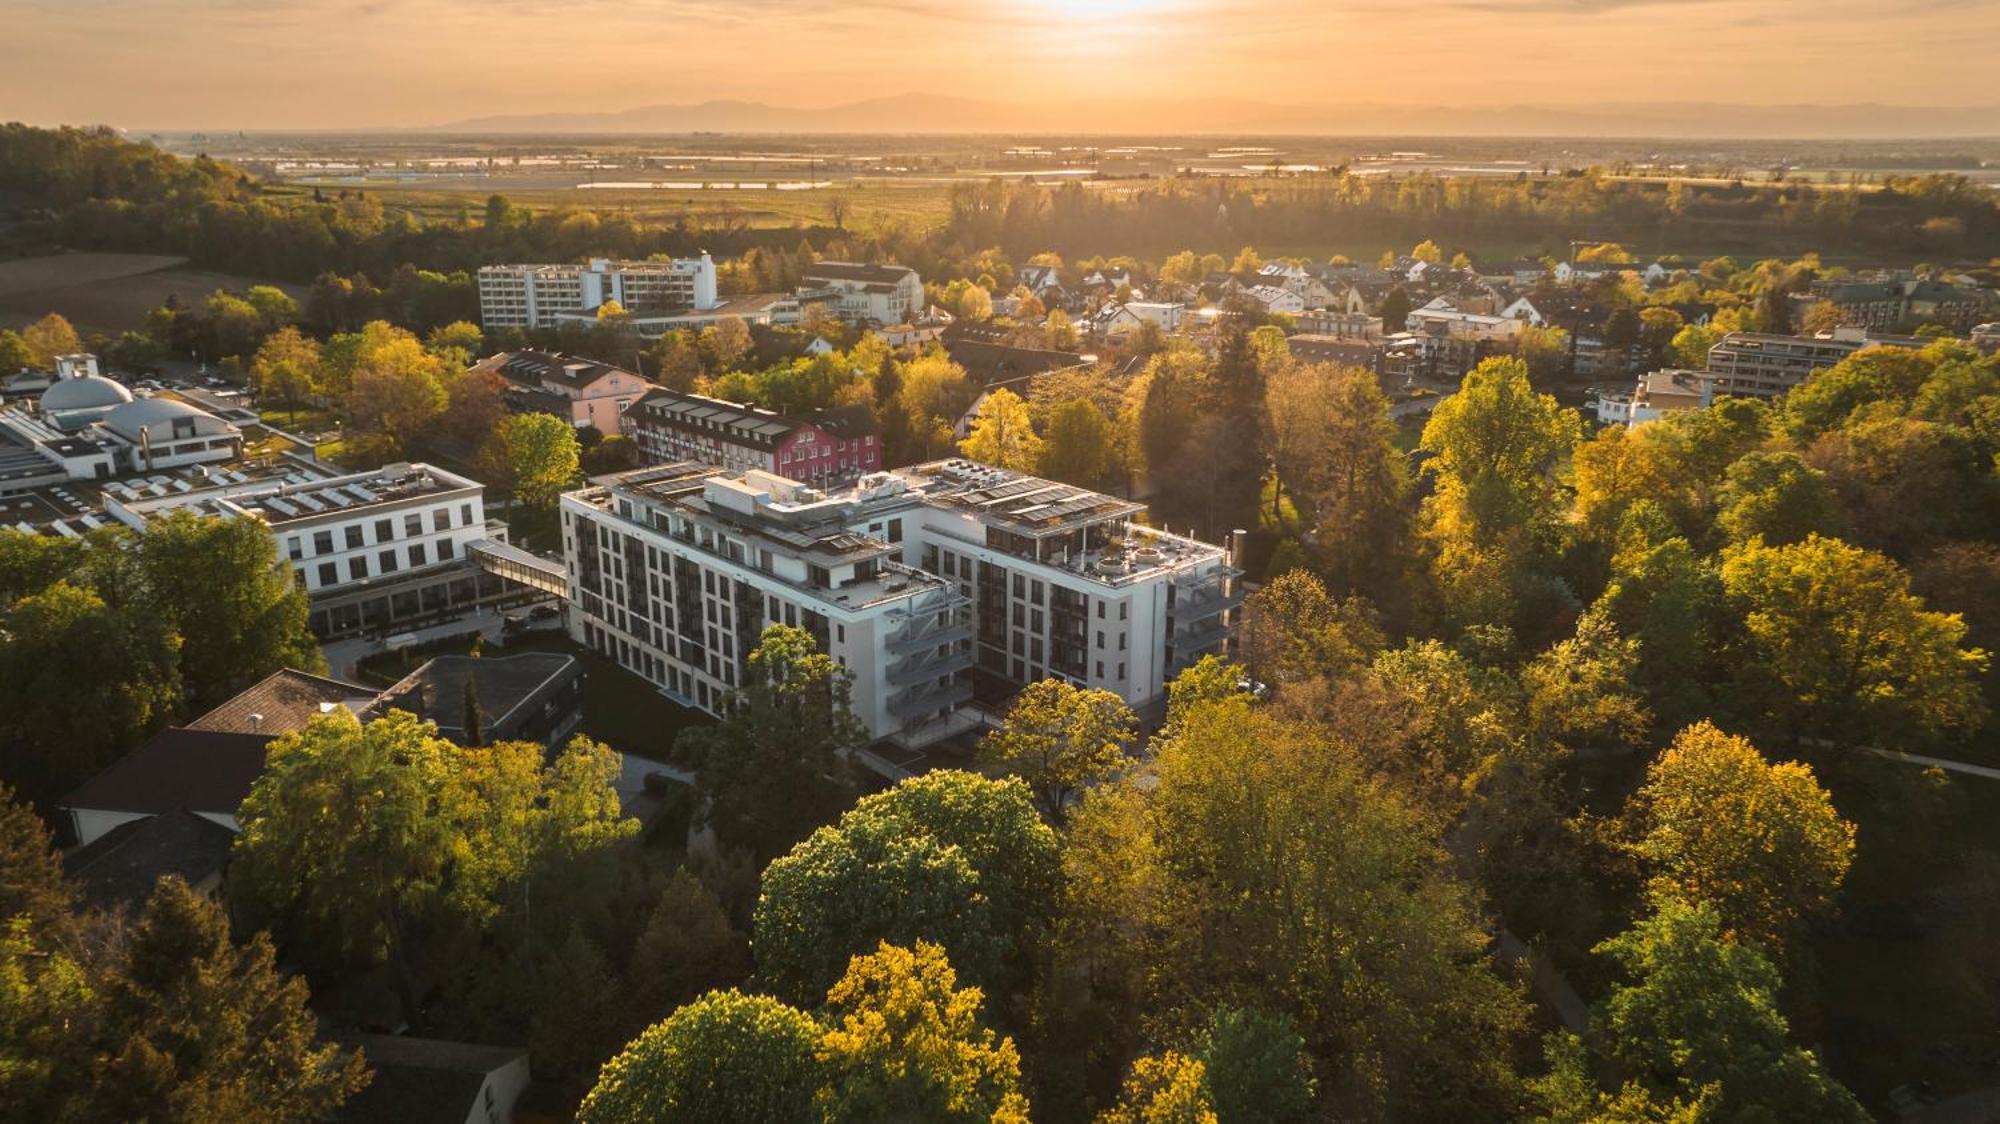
(435, 692)
(421, 1080)
(536, 368)
(195, 770)
(122, 866)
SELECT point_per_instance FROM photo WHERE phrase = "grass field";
(107, 293)
(870, 203)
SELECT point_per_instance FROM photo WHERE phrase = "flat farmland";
(107, 292)
(870, 204)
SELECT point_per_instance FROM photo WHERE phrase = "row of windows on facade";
(354, 534)
(357, 566)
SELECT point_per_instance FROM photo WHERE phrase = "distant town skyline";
(305, 64)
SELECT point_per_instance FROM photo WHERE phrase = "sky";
(275, 64)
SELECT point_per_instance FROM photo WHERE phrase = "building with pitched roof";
(826, 446)
(582, 392)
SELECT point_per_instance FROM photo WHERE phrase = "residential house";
(1657, 394)
(583, 392)
(432, 1081)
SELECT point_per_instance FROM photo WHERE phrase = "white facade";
(535, 296)
(338, 532)
(908, 579)
(862, 294)
(676, 571)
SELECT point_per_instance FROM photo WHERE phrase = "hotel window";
(357, 567)
(354, 536)
(327, 575)
(384, 530)
(447, 549)
(293, 548)
(413, 523)
(465, 514)
(441, 519)
(322, 542)
(417, 554)
(388, 560)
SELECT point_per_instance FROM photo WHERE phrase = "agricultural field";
(107, 292)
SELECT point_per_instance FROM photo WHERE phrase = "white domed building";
(72, 403)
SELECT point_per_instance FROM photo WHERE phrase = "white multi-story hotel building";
(910, 579)
(373, 550)
(535, 296)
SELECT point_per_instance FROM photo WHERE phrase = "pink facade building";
(824, 447)
(586, 392)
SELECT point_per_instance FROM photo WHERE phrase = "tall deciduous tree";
(727, 1057)
(777, 762)
(537, 454)
(1082, 445)
(1758, 842)
(1695, 1034)
(1259, 841)
(286, 368)
(1334, 448)
(1003, 434)
(905, 1042)
(1294, 631)
(1839, 648)
(1061, 738)
(221, 586)
(1169, 1088)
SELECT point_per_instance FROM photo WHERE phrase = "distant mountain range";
(924, 113)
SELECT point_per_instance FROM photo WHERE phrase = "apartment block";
(1761, 365)
(915, 580)
(535, 296)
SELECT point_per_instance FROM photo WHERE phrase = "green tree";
(687, 947)
(1263, 840)
(275, 307)
(15, 354)
(378, 844)
(1760, 843)
(776, 764)
(905, 1042)
(205, 1029)
(1579, 691)
(1293, 631)
(1427, 251)
(727, 1057)
(1002, 433)
(80, 683)
(1395, 310)
(1496, 503)
(1778, 498)
(537, 455)
(1258, 1068)
(1695, 1035)
(1061, 739)
(49, 337)
(1081, 447)
(220, 585)
(1333, 445)
(1690, 347)
(1838, 647)
(286, 368)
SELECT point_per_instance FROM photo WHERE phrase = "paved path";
(342, 655)
(1964, 767)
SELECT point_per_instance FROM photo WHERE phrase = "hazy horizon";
(375, 64)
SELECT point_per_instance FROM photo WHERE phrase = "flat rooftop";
(1026, 505)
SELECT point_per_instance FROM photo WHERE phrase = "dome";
(136, 415)
(87, 392)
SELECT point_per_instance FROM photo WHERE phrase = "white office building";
(864, 294)
(911, 579)
(536, 296)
